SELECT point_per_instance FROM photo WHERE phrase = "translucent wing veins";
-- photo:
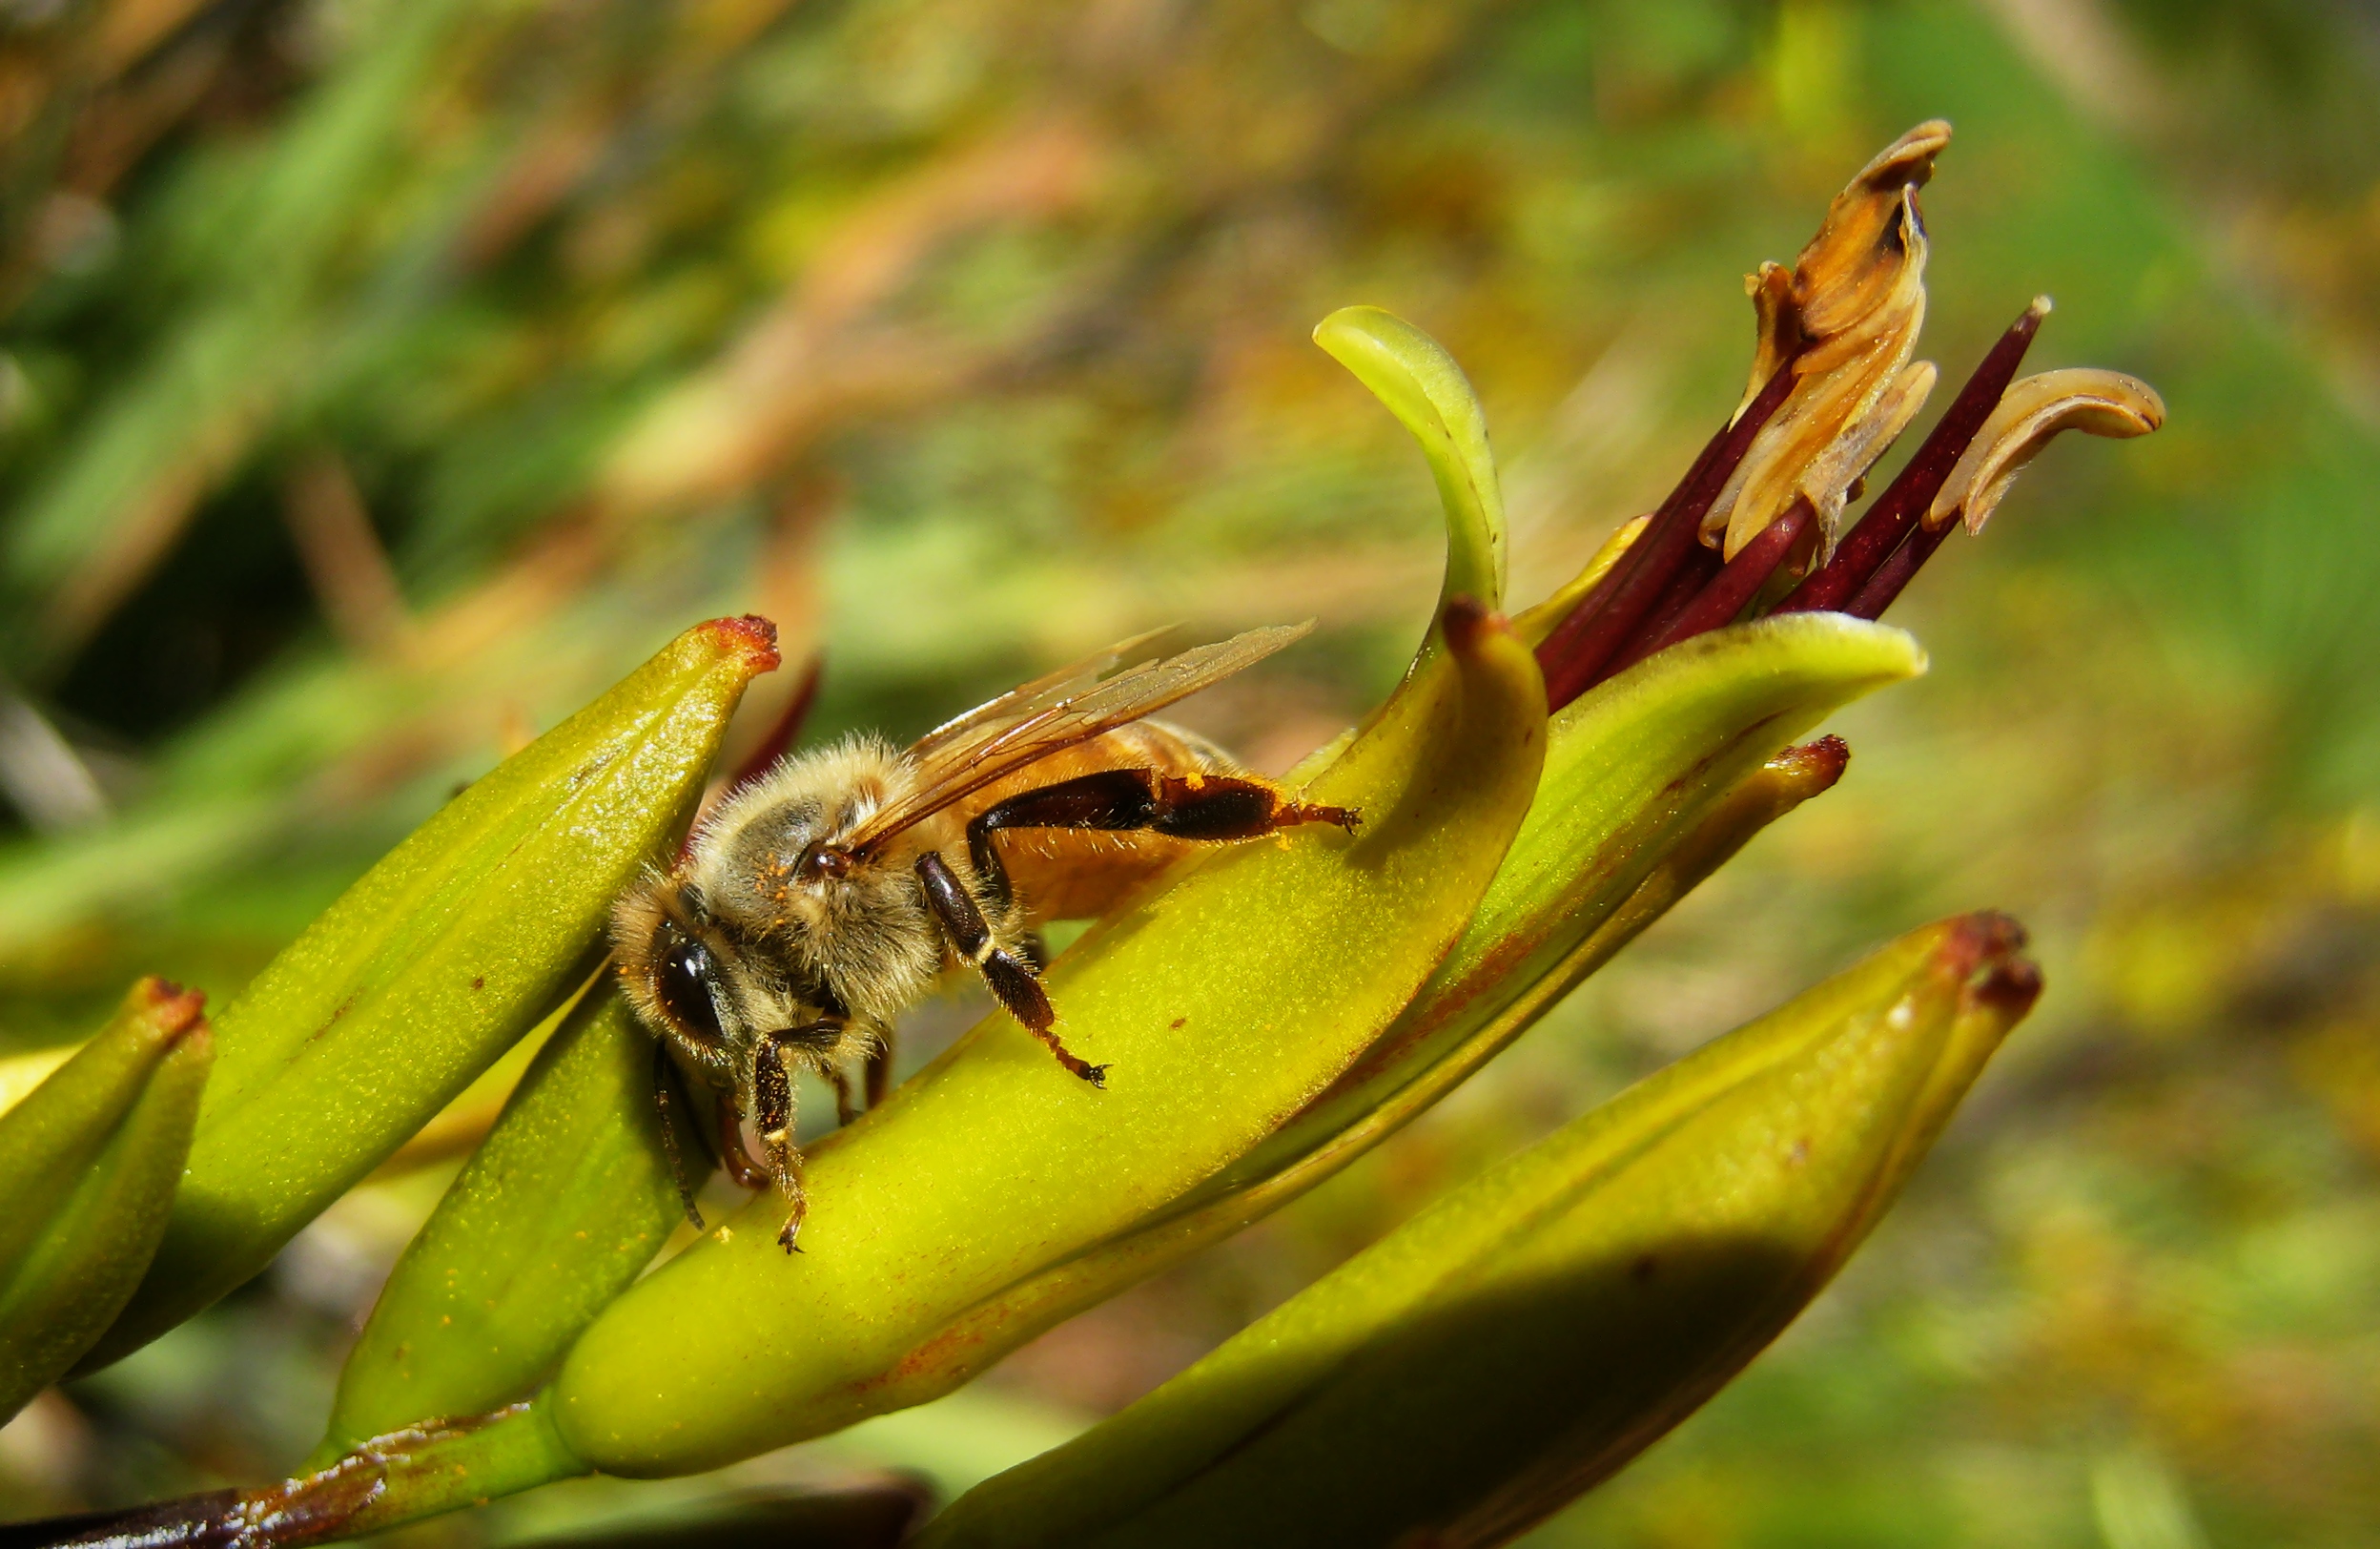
(1059, 710)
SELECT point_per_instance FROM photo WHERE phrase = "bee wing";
(1051, 687)
(1072, 705)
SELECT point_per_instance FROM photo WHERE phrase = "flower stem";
(388, 1480)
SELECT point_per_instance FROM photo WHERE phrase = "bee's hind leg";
(1216, 809)
(878, 1073)
(1010, 977)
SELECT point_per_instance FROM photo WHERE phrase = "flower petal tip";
(1985, 949)
(170, 1008)
(2029, 415)
(1813, 767)
(750, 636)
(1908, 159)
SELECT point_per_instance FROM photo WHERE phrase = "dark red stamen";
(1574, 654)
(1694, 573)
(1878, 592)
(1717, 604)
(1879, 533)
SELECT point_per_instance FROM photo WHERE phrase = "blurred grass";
(378, 379)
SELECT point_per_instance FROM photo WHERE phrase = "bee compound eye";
(684, 975)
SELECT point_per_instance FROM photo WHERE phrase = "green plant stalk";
(432, 964)
(1530, 1333)
(562, 1206)
(89, 1162)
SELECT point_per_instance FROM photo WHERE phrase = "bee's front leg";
(788, 1166)
(773, 1109)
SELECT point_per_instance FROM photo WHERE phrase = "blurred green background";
(380, 378)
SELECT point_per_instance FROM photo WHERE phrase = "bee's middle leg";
(1011, 977)
(745, 1172)
(877, 1074)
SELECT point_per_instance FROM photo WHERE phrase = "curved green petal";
(1423, 386)
(1633, 768)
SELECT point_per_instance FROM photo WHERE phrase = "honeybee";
(818, 902)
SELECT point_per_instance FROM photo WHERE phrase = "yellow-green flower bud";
(1532, 1331)
(87, 1164)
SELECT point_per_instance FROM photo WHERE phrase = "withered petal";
(1846, 318)
(1778, 325)
(2031, 413)
(1872, 219)
(1828, 480)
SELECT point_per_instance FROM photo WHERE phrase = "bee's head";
(691, 983)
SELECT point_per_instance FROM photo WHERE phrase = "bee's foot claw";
(1095, 1075)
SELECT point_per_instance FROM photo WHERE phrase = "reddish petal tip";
(751, 637)
(1983, 949)
(170, 1008)
(2010, 987)
(1815, 765)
